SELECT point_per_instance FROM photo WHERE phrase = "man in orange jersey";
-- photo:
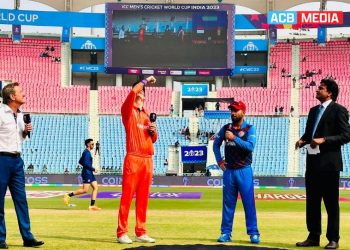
(138, 162)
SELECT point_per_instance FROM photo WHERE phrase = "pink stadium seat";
(263, 101)
(40, 77)
(333, 59)
(111, 99)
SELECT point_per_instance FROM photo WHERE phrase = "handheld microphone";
(229, 128)
(152, 118)
(27, 120)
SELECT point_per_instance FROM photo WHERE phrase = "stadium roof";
(261, 6)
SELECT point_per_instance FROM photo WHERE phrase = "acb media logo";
(305, 17)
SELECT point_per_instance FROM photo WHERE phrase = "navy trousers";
(234, 181)
(12, 176)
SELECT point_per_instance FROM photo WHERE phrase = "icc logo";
(250, 47)
(186, 181)
(291, 182)
(88, 45)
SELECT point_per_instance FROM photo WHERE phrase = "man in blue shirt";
(240, 140)
(88, 177)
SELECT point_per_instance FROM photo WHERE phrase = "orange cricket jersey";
(136, 122)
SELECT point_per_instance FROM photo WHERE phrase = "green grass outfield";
(281, 223)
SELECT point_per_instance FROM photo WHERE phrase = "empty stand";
(57, 141)
(345, 154)
(112, 140)
(158, 99)
(270, 156)
(259, 101)
(333, 60)
(40, 77)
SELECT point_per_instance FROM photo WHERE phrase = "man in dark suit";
(327, 128)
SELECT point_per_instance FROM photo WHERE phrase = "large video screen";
(170, 39)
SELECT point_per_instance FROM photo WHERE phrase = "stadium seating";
(333, 60)
(271, 153)
(281, 56)
(158, 99)
(40, 77)
(112, 140)
(302, 159)
(262, 101)
(259, 101)
(57, 141)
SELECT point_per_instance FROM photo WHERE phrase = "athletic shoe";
(145, 239)
(255, 239)
(224, 238)
(94, 208)
(66, 199)
(124, 239)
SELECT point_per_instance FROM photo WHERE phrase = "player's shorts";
(88, 178)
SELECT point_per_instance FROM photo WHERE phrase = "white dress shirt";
(11, 130)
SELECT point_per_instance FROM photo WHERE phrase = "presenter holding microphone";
(13, 132)
(141, 133)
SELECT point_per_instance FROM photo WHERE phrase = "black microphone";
(152, 118)
(27, 120)
(229, 128)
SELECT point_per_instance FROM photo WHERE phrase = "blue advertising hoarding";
(88, 68)
(251, 45)
(88, 43)
(16, 33)
(272, 35)
(193, 154)
(321, 35)
(250, 70)
(97, 20)
(198, 89)
(65, 37)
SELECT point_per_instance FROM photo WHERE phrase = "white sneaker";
(124, 239)
(145, 239)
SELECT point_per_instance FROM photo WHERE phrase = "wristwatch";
(144, 81)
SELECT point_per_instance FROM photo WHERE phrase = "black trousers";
(322, 185)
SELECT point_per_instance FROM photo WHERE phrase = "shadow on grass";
(202, 247)
(72, 238)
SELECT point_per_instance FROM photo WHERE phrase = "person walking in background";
(181, 34)
(138, 162)
(240, 140)
(13, 132)
(217, 105)
(121, 34)
(97, 149)
(141, 33)
(171, 110)
(88, 177)
(291, 111)
(327, 129)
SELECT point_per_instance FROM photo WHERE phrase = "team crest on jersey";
(141, 126)
(241, 133)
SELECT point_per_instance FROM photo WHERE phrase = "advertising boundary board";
(204, 181)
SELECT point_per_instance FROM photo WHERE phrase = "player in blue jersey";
(239, 137)
(88, 177)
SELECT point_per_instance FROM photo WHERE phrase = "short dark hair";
(7, 91)
(87, 141)
(332, 87)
